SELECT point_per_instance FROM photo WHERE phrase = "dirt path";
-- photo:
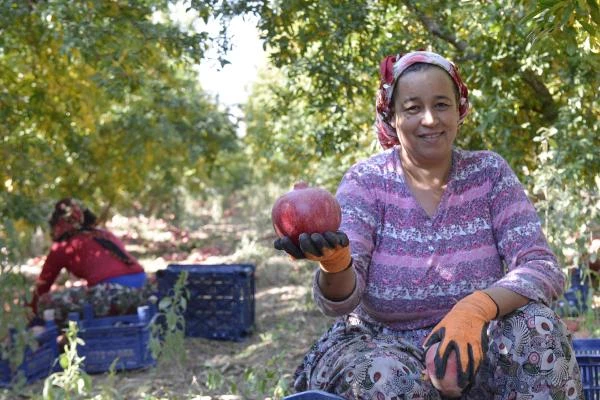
(286, 325)
(259, 367)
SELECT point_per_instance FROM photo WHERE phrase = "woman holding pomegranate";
(115, 279)
(439, 249)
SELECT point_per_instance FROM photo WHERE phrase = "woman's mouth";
(430, 136)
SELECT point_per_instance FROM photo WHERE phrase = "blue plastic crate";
(221, 299)
(124, 338)
(587, 352)
(573, 302)
(313, 395)
(38, 363)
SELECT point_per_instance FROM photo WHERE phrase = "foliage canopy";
(100, 101)
(532, 69)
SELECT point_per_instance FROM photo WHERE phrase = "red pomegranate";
(305, 210)
(448, 385)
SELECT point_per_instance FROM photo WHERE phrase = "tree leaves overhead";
(99, 101)
(331, 50)
(530, 70)
(554, 17)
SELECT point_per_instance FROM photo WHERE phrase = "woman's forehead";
(431, 83)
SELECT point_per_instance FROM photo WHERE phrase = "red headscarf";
(66, 218)
(391, 68)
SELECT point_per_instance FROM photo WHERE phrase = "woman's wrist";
(328, 269)
(337, 286)
(506, 300)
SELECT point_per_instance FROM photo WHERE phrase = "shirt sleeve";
(359, 217)
(532, 268)
(54, 263)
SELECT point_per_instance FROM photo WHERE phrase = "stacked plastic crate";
(587, 352)
(37, 363)
(221, 298)
(122, 340)
(577, 294)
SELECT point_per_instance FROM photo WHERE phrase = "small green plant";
(267, 380)
(168, 334)
(109, 391)
(214, 380)
(72, 382)
(14, 316)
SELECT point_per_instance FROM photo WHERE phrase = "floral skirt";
(530, 356)
(106, 299)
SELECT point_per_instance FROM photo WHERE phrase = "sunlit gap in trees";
(229, 83)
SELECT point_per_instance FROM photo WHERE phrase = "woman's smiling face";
(426, 114)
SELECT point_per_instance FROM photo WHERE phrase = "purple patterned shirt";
(412, 268)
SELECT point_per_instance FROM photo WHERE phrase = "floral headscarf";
(70, 217)
(390, 69)
(67, 218)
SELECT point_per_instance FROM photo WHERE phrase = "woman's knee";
(532, 346)
(388, 376)
(533, 320)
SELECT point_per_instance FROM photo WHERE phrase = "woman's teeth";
(431, 135)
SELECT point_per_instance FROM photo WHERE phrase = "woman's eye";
(411, 109)
(442, 106)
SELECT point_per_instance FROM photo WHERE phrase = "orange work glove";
(464, 330)
(330, 249)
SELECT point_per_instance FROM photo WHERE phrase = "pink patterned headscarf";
(390, 69)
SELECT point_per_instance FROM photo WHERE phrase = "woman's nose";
(429, 117)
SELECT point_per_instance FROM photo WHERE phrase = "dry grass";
(287, 324)
(259, 367)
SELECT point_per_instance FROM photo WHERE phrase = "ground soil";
(258, 367)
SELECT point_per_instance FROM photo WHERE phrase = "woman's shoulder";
(58, 246)
(379, 162)
(479, 156)
(69, 244)
(479, 161)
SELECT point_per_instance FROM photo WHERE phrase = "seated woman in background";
(115, 279)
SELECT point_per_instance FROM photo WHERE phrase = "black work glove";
(330, 249)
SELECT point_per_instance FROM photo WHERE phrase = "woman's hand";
(463, 330)
(285, 243)
(330, 249)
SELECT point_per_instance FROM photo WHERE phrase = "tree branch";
(549, 109)
(435, 29)
(103, 217)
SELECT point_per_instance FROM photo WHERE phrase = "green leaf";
(594, 11)
(164, 303)
(63, 360)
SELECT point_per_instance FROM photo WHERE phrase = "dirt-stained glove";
(285, 243)
(463, 329)
(330, 249)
